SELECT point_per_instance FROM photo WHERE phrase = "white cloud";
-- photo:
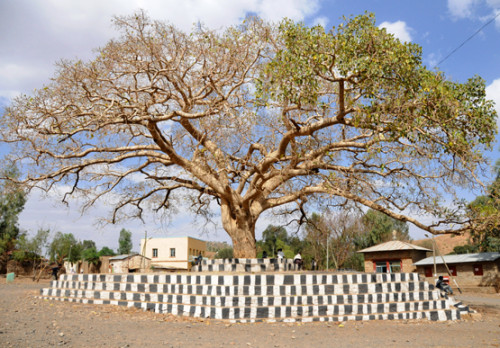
(38, 33)
(493, 93)
(461, 8)
(432, 60)
(399, 29)
(323, 21)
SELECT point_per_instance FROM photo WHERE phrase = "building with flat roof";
(172, 253)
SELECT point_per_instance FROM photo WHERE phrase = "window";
(453, 270)
(155, 252)
(392, 266)
(172, 252)
(381, 267)
(395, 266)
(478, 270)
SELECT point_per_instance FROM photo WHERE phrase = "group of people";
(297, 260)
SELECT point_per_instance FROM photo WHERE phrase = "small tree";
(92, 257)
(124, 242)
(335, 230)
(32, 249)
(225, 253)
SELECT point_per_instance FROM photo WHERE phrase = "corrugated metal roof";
(393, 245)
(122, 257)
(462, 258)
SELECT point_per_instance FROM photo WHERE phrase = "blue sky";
(36, 33)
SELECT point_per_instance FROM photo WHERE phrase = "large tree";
(12, 200)
(254, 118)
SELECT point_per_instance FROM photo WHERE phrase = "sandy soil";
(26, 321)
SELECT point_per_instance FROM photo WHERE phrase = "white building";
(172, 252)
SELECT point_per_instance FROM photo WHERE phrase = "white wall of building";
(172, 252)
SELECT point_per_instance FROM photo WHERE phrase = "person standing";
(280, 254)
(298, 261)
(314, 264)
(55, 270)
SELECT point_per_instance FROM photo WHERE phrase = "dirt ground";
(26, 321)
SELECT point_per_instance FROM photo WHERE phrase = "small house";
(393, 257)
(130, 263)
(469, 270)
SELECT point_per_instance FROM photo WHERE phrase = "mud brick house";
(131, 263)
(469, 270)
(393, 257)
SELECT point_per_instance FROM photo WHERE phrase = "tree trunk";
(240, 225)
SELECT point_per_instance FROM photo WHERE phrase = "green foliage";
(356, 261)
(91, 256)
(31, 248)
(105, 251)
(124, 242)
(380, 229)
(273, 238)
(225, 253)
(287, 249)
(65, 247)
(88, 244)
(12, 200)
(465, 249)
(484, 211)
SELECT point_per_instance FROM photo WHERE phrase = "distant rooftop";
(393, 245)
(462, 258)
(171, 237)
(122, 257)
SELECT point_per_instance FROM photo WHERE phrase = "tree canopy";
(12, 200)
(124, 242)
(254, 118)
(485, 212)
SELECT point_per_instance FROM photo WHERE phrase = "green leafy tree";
(381, 228)
(105, 251)
(65, 246)
(465, 249)
(124, 242)
(484, 211)
(271, 237)
(88, 244)
(12, 200)
(259, 118)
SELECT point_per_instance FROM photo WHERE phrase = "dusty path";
(29, 322)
